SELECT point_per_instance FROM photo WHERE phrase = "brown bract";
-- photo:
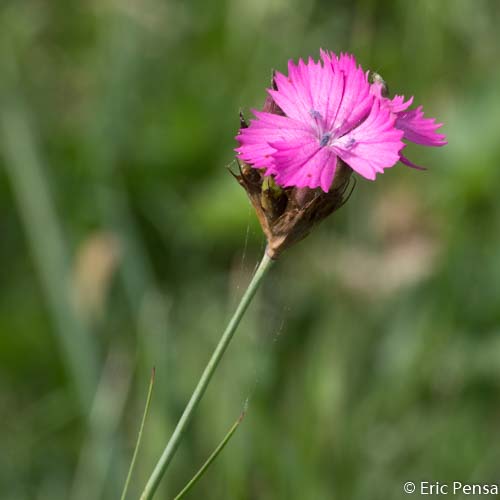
(287, 215)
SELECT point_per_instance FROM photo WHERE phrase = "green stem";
(180, 429)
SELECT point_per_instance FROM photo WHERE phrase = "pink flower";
(325, 111)
(328, 113)
(416, 128)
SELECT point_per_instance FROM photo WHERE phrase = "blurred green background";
(370, 357)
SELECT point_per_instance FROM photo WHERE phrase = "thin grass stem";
(210, 459)
(139, 435)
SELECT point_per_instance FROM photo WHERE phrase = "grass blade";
(211, 458)
(139, 436)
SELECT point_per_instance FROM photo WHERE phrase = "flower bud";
(287, 215)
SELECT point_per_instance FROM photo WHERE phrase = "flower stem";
(180, 429)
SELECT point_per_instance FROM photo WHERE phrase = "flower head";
(326, 112)
(319, 124)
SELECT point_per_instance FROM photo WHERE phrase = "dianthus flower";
(320, 123)
(327, 111)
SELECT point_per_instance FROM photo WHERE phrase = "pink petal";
(417, 129)
(356, 98)
(304, 164)
(372, 146)
(398, 104)
(311, 87)
(255, 147)
(408, 163)
(420, 130)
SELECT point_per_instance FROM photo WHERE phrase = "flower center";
(319, 129)
(325, 139)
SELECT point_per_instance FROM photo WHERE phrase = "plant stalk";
(180, 429)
